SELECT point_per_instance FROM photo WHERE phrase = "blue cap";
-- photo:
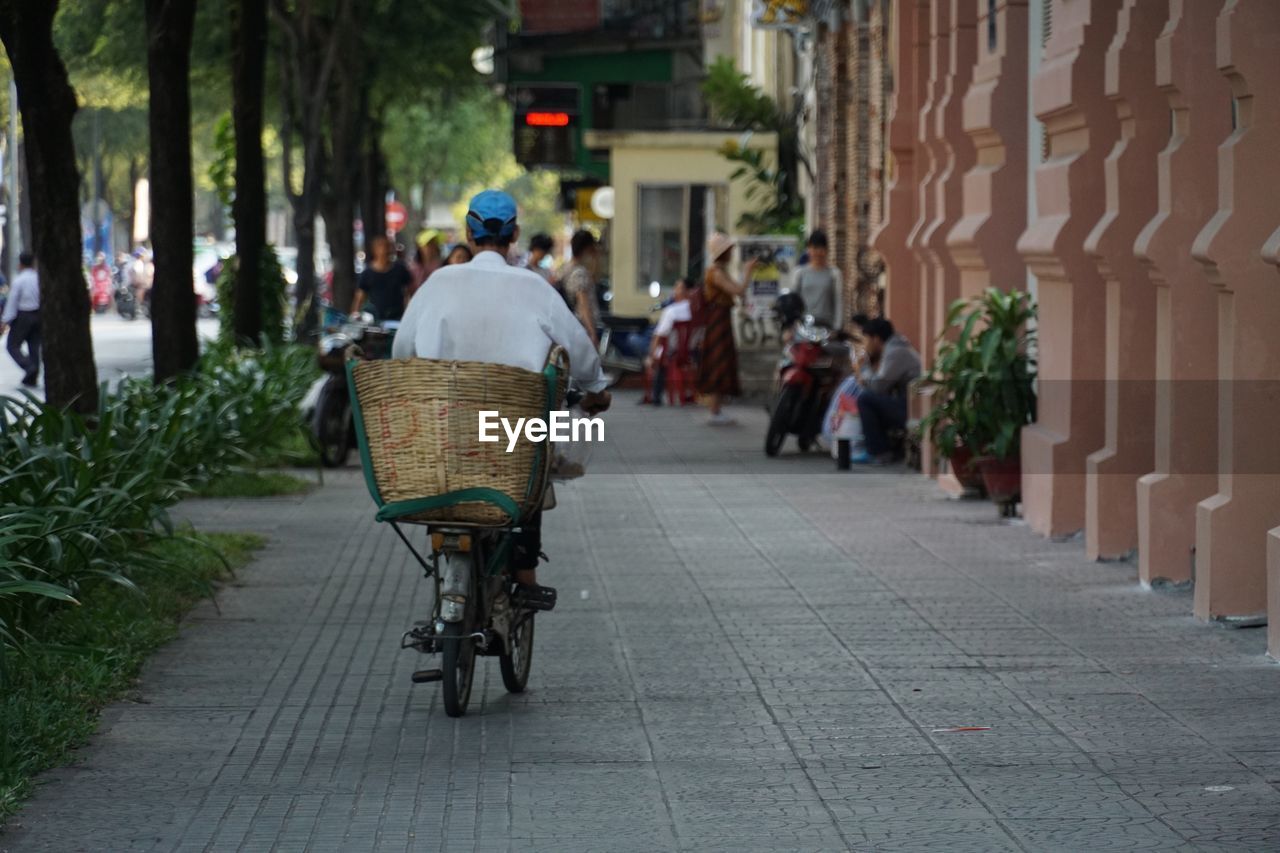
(492, 214)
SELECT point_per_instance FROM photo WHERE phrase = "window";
(992, 24)
(674, 223)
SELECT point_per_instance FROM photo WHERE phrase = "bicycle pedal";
(424, 676)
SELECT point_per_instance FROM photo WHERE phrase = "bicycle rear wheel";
(515, 666)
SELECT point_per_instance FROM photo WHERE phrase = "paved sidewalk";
(749, 655)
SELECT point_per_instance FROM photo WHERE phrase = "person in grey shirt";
(22, 318)
(820, 284)
(882, 404)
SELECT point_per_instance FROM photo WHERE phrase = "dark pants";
(26, 329)
(880, 414)
(526, 544)
(659, 382)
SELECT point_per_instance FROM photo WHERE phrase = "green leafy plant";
(80, 658)
(81, 497)
(271, 289)
(222, 168)
(983, 378)
(93, 573)
(776, 210)
(737, 103)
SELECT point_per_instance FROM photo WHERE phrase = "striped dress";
(718, 367)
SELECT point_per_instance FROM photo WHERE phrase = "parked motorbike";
(206, 307)
(100, 296)
(624, 343)
(126, 302)
(327, 406)
(812, 366)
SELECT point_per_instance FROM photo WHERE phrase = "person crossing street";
(22, 319)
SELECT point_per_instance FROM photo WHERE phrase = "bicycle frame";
(456, 552)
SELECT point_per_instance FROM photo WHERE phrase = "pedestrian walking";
(384, 283)
(426, 260)
(718, 367)
(22, 318)
(579, 281)
(539, 257)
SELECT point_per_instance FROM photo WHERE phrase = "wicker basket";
(417, 423)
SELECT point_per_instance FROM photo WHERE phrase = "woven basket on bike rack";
(417, 424)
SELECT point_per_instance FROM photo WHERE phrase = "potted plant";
(944, 424)
(983, 386)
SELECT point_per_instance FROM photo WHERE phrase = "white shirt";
(24, 295)
(485, 310)
(676, 312)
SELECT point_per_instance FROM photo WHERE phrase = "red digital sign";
(546, 123)
(547, 119)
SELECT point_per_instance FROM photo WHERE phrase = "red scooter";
(100, 289)
(812, 367)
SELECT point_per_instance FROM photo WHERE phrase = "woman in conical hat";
(718, 367)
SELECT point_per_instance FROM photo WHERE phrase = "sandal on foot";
(533, 597)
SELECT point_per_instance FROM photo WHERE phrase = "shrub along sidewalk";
(93, 574)
(80, 658)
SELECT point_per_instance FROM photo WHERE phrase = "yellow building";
(671, 189)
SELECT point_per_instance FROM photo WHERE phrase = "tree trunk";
(309, 48)
(135, 173)
(248, 71)
(373, 189)
(307, 324)
(339, 219)
(26, 229)
(345, 112)
(48, 104)
(175, 348)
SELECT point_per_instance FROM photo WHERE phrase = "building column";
(878, 77)
(1271, 254)
(956, 149)
(910, 44)
(828, 157)
(843, 201)
(1112, 472)
(956, 21)
(1273, 593)
(1080, 128)
(857, 229)
(1231, 526)
(953, 149)
(930, 147)
(1186, 400)
(995, 117)
(934, 165)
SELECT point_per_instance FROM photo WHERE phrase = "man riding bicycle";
(489, 311)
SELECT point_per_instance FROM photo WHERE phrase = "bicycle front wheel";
(459, 653)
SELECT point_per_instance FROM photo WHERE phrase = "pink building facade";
(1117, 158)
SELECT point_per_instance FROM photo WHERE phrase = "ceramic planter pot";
(962, 465)
(1003, 479)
